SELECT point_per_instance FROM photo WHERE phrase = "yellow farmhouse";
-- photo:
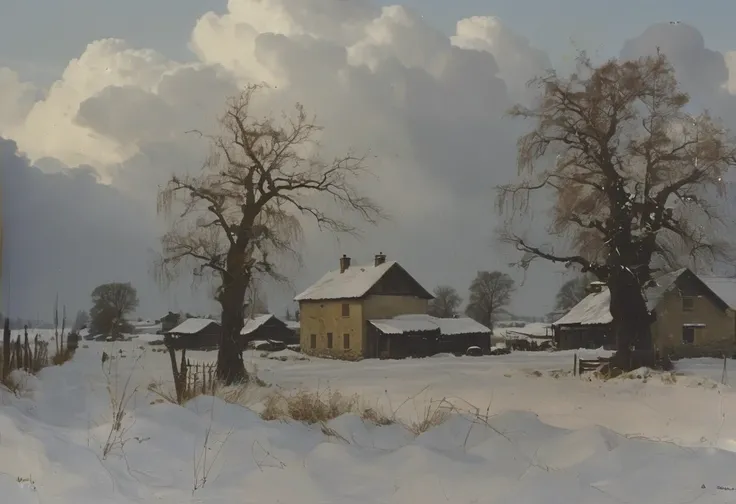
(334, 312)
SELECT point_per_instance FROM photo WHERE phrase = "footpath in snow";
(56, 447)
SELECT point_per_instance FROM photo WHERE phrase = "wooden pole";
(6, 348)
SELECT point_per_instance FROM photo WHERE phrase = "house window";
(329, 340)
(345, 310)
(688, 335)
(688, 304)
(313, 341)
(346, 341)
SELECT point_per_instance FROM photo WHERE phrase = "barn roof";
(192, 326)
(251, 324)
(594, 309)
(724, 288)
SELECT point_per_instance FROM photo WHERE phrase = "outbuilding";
(195, 334)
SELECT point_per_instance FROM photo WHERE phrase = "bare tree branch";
(633, 179)
(240, 214)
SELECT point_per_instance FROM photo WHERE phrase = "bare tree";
(242, 208)
(633, 181)
(445, 303)
(490, 293)
(571, 293)
(110, 304)
(257, 302)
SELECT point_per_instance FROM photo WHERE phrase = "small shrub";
(669, 378)
(434, 415)
(15, 383)
(346, 355)
(376, 417)
(64, 355)
(308, 407)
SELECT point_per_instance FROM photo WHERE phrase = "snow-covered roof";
(416, 323)
(398, 326)
(353, 283)
(724, 288)
(191, 326)
(594, 309)
(251, 324)
(292, 324)
(664, 283)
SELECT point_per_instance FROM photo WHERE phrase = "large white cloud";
(517, 60)
(16, 99)
(429, 109)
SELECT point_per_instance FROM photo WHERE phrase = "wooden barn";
(195, 334)
(421, 335)
(266, 327)
(693, 316)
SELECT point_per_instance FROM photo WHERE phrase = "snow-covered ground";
(549, 437)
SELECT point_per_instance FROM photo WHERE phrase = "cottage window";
(345, 310)
(329, 340)
(313, 341)
(346, 341)
(688, 335)
(688, 304)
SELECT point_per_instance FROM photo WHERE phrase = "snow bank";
(52, 442)
(286, 355)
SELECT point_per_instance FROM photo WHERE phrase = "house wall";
(717, 337)
(322, 317)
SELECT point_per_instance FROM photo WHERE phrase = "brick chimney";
(344, 263)
(379, 259)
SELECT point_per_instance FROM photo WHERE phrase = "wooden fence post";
(6, 348)
(18, 353)
(724, 376)
(575, 364)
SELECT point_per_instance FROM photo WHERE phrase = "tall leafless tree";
(571, 293)
(445, 303)
(256, 299)
(634, 180)
(489, 294)
(242, 208)
(111, 303)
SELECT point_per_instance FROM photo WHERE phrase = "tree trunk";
(631, 318)
(230, 366)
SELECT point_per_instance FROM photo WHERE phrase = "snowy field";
(548, 437)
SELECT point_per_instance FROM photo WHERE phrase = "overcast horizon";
(94, 121)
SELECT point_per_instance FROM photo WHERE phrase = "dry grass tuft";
(314, 407)
(64, 355)
(669, 378)
(376, 417)
(242, 394)
(434, 414)
(308, 407)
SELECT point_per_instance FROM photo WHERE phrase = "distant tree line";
(489, 295)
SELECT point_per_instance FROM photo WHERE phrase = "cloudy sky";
(96, 97)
